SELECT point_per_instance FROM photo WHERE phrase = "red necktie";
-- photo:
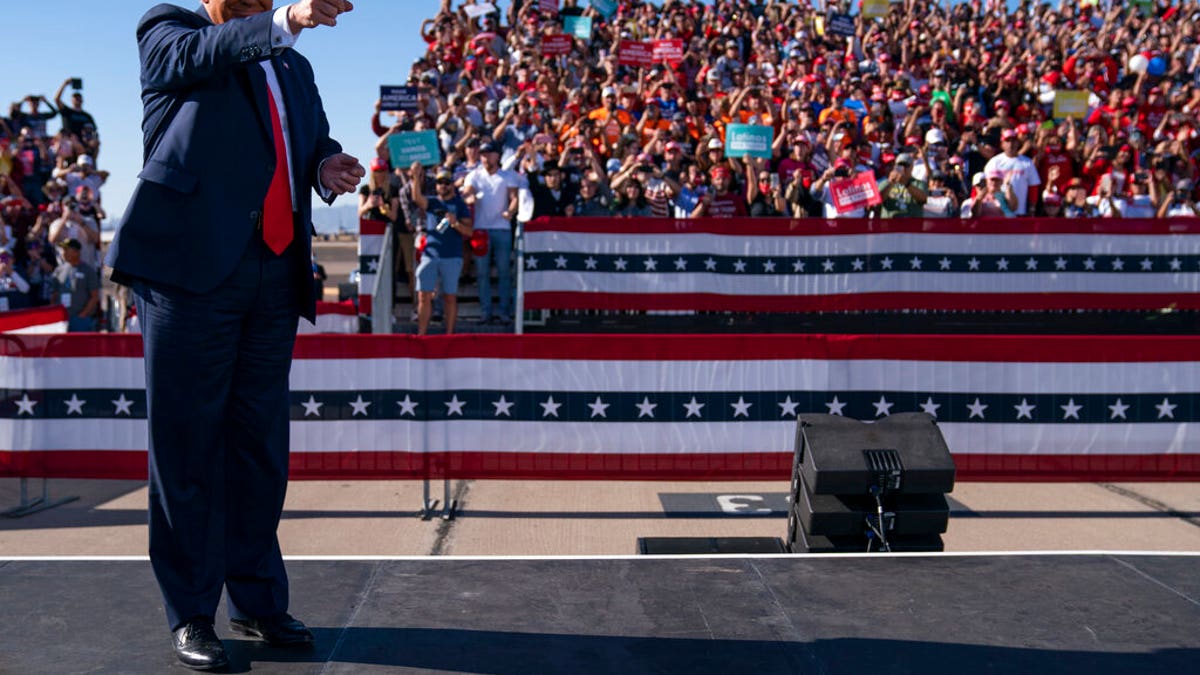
(277, 208)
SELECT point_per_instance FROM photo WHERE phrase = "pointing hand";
(313, 13)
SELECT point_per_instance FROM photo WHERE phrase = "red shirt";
(1066, 168)
(728, 205)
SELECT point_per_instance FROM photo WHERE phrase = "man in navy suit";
(216, 245)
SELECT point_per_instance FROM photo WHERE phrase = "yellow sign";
(874, 9)
(1070, 104)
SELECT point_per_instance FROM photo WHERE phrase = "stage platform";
(1093, 613)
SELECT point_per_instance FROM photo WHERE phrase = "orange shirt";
(837, 116)
(612, 127)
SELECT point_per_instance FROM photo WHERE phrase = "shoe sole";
(205, 668)
(250, 632)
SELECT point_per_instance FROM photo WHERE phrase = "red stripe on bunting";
(131, 465)
(981, 348)
(19, 319)
(809, 227)
(372, 227)
(344, 308)
(714, 302)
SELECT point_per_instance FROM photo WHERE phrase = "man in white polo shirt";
(492, 192)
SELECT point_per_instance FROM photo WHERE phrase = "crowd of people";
(951, 109)
(50, 206)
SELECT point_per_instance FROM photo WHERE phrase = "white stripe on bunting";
(353, 375)
(689, 438)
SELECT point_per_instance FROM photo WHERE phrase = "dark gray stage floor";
(785, 614)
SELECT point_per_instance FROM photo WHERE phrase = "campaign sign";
(554, 45)
(840, 24)
(670, 51)
(858, 192)
(415, 146)
(398, 98)
(579, 26)
(1070, 104)
(637, 54)
(548, 7)
(476, 11)
(749, 139)
(874, 9)
(606, 8)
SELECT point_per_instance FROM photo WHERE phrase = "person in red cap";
(722, 201)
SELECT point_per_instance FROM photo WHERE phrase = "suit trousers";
(217, 367)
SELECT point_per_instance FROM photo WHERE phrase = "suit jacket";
(209, 152)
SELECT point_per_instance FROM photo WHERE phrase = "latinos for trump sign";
(606, 8)
(636, 54)
(749, 139)
(415, 146)
(398, 98)
(579, 26)
(855, 193)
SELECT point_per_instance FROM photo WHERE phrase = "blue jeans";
(500, 243)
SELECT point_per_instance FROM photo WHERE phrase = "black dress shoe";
(197, 646)
(281, 631)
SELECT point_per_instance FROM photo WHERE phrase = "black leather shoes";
(198, 647)
(281, 631)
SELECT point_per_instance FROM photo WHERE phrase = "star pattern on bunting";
(122, 405)
(312, 407)
(503, 406)
(407, 406)
(75, 405)
(675, 406)
(455, 406)
(360, 406)
(910, 262)
(599, 408)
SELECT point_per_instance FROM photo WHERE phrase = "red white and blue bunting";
(762, 264)
(640, 407)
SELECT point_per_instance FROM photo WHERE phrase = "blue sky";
(375, 44)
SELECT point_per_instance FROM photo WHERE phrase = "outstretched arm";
(177, 53)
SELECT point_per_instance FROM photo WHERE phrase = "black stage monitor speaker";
(913, 543)
(846, 515)
(901, 454)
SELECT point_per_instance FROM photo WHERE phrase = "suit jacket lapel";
(255, 81)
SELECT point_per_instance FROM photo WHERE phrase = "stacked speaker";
(869, 486)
